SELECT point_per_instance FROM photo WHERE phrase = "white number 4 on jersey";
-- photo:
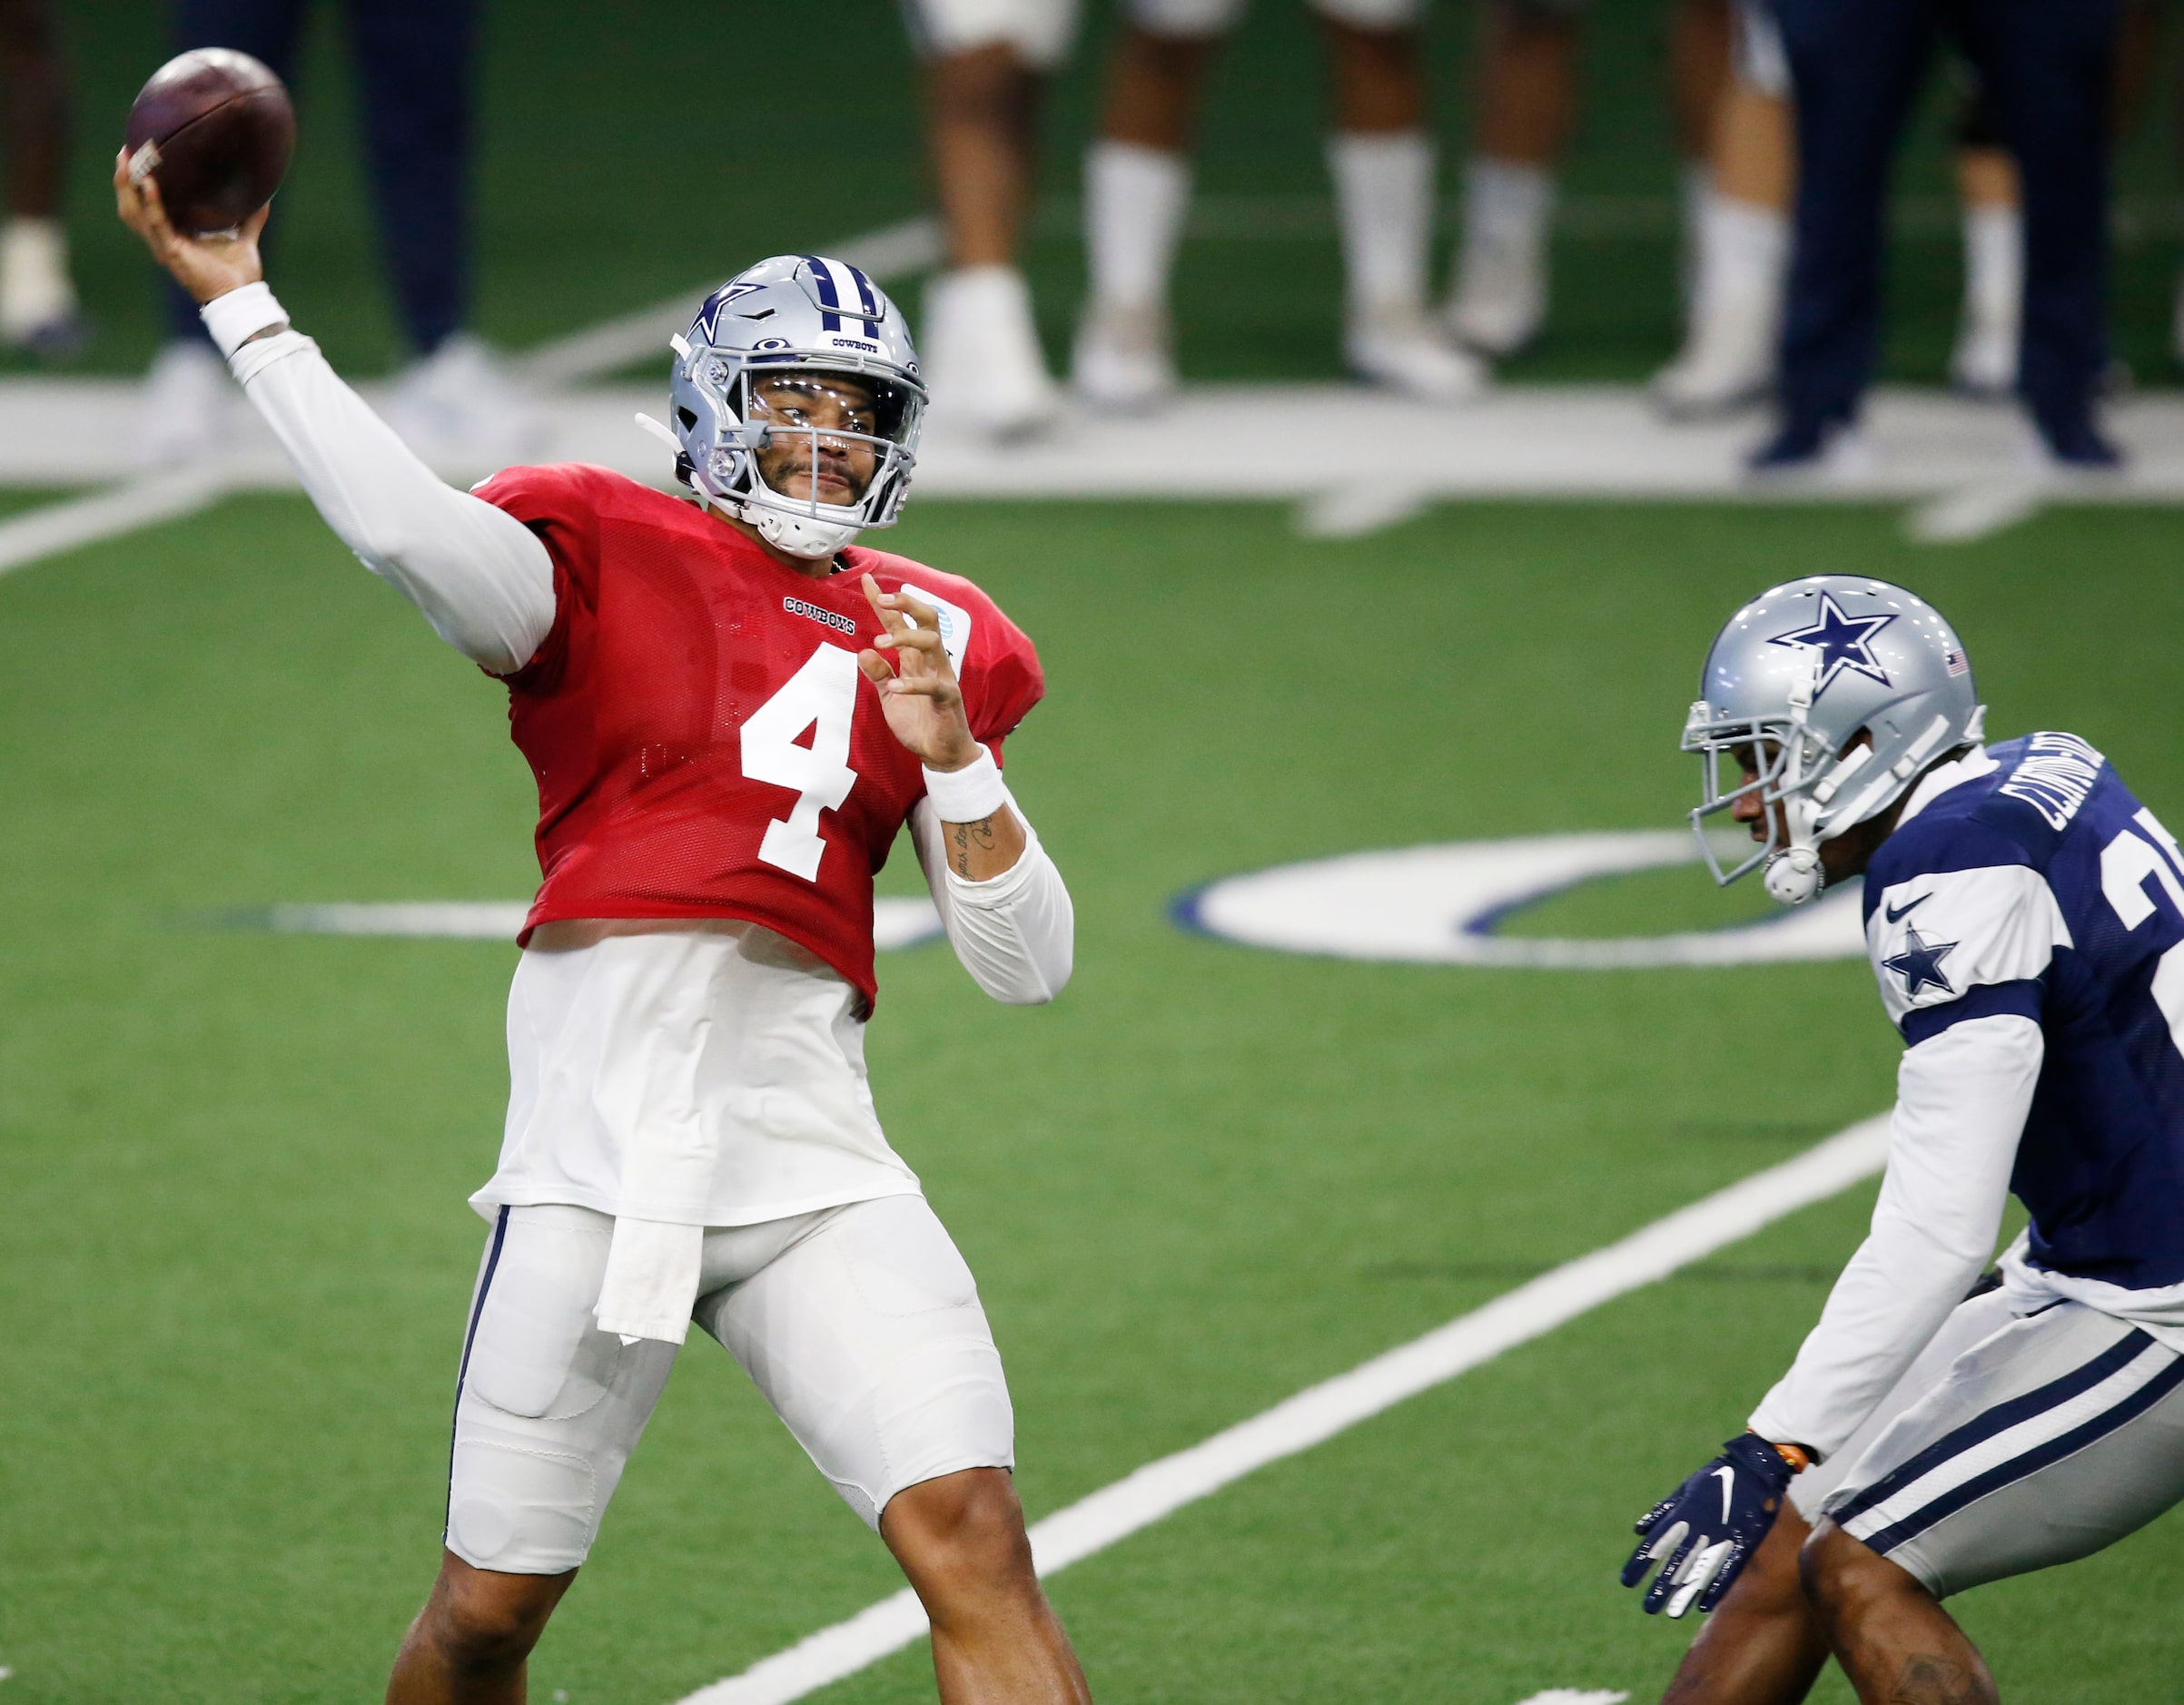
(821, 696)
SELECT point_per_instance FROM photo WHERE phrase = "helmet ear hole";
(686, 419)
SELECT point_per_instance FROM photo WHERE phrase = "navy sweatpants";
(413, 62)
(1857, 66)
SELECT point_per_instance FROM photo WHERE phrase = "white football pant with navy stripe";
(2047, 1440)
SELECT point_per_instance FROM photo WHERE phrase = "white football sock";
(1135, 199)
(1695, 184)
(1743, 250)
(1507, 204)
(35, 287)
(1994, 265)
(1384, 201)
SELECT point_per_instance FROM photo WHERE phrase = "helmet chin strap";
(1793, 874)
(798, 535)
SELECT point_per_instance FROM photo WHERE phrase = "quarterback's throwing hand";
(206, 267)
(925, 705)
(1704, 1532)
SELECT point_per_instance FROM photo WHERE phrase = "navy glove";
(1709, 1526)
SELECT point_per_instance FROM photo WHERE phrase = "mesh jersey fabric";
(671, 631)
(2042, 887)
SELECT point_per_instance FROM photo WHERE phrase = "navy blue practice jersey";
(2038, 885)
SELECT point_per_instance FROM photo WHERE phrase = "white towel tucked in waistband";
(651, 1283)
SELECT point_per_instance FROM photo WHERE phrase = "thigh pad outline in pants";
(2046, 1442)
(868, 1339)
(550, 1406)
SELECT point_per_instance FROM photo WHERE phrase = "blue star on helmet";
(1920, 964)
(1844, 642)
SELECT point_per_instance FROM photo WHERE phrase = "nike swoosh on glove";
(1709, 1526)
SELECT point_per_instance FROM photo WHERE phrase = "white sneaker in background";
(1123, 359)
(460, 409)
(1501, 297)
(38, 307)
(983, 367)
(186, 411)
(1402, 350)
(1984, 361)
(1727, 364)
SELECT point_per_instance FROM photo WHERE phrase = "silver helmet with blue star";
(792, 324)
(1792, 683)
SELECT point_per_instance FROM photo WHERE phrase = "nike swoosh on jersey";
(1728, 1479)
(1896, 914)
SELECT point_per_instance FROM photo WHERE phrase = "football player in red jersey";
(731, 710)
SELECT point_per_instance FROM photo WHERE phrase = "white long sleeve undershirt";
(1015, 932)
(486, 583)
(482, 579)
(1961, 1099)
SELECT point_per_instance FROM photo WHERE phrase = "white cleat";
(1402, 351)
(186, 411)
(1727, 365)
(1124, 361)
(460, 409)
(1500, 297)
(983, 367)
(1984, 361)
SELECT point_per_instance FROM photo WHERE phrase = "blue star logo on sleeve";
(1920, 964)
(1843, 641)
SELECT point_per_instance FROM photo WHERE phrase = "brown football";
(214, 129)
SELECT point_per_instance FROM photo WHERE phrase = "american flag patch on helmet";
(1955, 663)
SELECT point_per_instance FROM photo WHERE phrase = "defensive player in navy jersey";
(2025, 918)
(732, 708)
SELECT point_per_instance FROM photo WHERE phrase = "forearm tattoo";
(967, 835)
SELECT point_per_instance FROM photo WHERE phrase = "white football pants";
(861, 1325)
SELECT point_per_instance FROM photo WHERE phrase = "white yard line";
(37, 534)
(1975, 511)
(1299, 1423)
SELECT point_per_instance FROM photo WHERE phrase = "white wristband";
(970, 794)
(235, 319)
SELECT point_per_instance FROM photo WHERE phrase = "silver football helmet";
(1792, 680)
(794, 317)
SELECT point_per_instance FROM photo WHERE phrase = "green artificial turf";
(238, 1254)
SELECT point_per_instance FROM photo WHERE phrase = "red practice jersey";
(705, 743)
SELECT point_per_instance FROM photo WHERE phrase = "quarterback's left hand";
(919, 693)
(1709, 1526)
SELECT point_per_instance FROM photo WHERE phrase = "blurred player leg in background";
(1528, 102)
(1856, 66)
(2052, 73)
(455, 404)
(987, 65)
(1137, 195)
(38, 309)
(1701, 61)
(1382, 162)
(1983, 362)
(1727, 360)
(413, 63)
